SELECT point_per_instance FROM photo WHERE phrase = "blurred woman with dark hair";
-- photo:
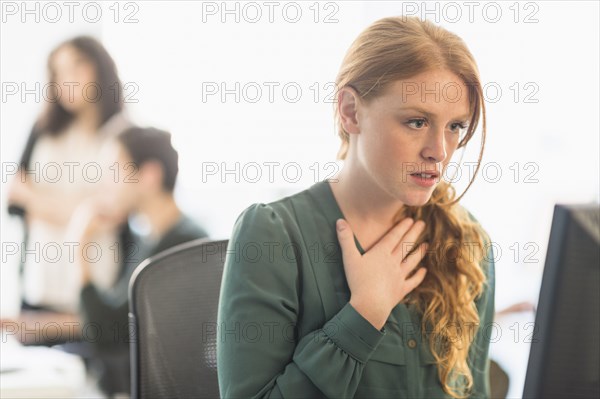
(84, 107)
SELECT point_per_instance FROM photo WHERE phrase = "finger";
(409, 239)
(393, 237)
(415, 280)
(346, 239)
(414, 259)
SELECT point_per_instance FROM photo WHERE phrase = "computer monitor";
(564, 361)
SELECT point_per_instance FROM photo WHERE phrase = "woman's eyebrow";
(464, 117)
(430, 115)
(421, 110)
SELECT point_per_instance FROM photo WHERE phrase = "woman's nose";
(435, 148)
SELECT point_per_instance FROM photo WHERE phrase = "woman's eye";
(416, 123)
(458, 127)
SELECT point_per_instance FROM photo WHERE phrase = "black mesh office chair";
(173, 303)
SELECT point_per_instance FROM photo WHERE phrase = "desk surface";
(38, 372)
(35, 327)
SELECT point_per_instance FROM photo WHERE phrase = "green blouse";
(285, 326)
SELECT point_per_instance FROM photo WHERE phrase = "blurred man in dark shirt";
(139, 199)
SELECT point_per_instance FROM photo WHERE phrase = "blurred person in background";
(59, 170)
(141, 200)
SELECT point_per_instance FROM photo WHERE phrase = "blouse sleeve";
(479, 351)
(260, 353)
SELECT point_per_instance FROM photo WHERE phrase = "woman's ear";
(347, 103)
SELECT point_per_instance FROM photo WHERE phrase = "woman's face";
(76, 77)
(414, 126)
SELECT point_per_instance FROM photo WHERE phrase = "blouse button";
(412, 343)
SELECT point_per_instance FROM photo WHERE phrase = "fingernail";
(340, 225)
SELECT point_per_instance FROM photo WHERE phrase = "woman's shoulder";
(466, 215)
(277, 215)
(115, 125)
(488, 255)
(268, 234)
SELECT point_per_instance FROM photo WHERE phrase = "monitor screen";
(564, 361)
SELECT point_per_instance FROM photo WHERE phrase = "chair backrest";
(173, 304)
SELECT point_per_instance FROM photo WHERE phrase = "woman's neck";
(368, 209)
(87, 119)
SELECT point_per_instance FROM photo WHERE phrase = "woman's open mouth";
(425, 179)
